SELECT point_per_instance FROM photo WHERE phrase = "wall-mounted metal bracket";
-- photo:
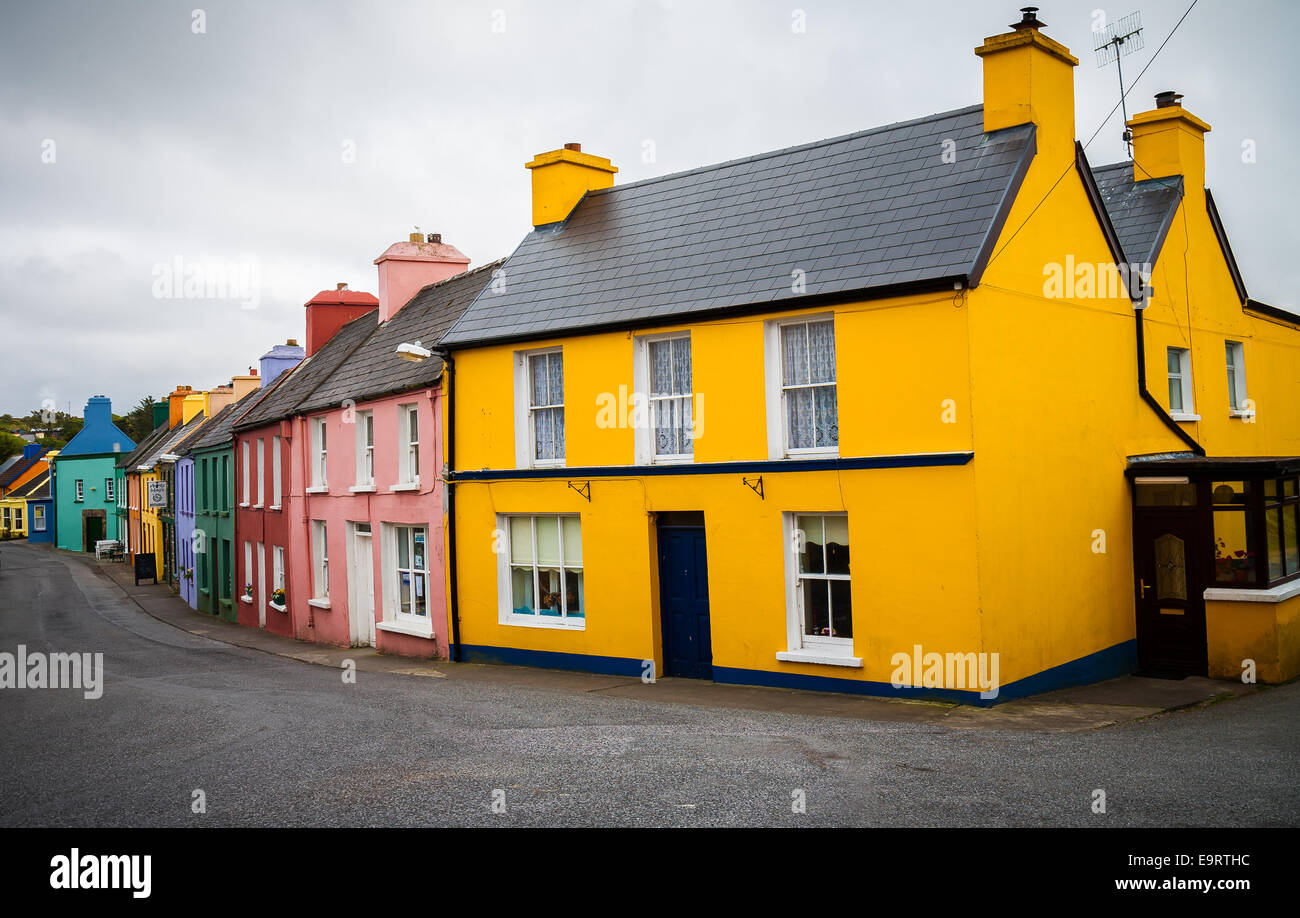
(755, 485)
(584, 489)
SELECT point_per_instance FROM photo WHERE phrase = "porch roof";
(1203, 466)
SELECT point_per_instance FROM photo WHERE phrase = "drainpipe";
(1169, 422)
(449, 500)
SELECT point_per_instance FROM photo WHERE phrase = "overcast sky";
(230, 145)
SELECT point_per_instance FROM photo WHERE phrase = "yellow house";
(868, 414)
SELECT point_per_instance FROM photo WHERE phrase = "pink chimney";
(406, 268)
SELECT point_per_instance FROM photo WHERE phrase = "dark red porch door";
(1170, 559)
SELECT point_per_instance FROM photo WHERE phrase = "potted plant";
(188, 573)
(248, 591)
(277, 597)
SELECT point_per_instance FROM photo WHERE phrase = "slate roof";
(374, 369)
(36, 489)
(1141, 212)
(360, 362)
(174, 437)
(20, 468)
(865, 211)
(128, 461)
(293, 385)
(220, 429)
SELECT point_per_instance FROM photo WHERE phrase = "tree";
(10, 445)
(138, 422)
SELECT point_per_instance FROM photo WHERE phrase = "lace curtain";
(547, 372)
(670, 396)
(808, 371)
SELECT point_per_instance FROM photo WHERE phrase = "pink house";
(360, 426)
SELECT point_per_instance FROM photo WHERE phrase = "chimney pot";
(415, 237)
(435, 238)
(340, 286)
(1029, 19)
(1168, 99)
(575, 147)
(292, 342)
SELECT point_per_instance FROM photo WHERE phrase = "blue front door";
(684, 602)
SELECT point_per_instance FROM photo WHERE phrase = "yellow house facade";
(837, 417)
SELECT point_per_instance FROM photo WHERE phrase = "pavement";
(265, 740)
(1089, 707)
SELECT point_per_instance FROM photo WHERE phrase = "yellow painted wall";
(1268, 633)
(910, 529)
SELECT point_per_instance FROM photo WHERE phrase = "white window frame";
(38, 518)
(644, 404)
(778, 433)
(277, 572)
(110, 495)
(505, 563)
(394, 619)
(79, 486)
(320, 564)
(248, 571)
(18, 518)
(1235, 357)
(524, 411)
(277, 487)
(365, 449)
(408, 450)
(1187, 411)
(804, 648)
(243, 454)
(261, 472)
(319, 456)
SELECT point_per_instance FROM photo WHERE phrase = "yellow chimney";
(1029, 77)
(1169, 140)
(562, 177)
(192, 404)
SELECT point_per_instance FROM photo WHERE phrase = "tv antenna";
(1113, 43)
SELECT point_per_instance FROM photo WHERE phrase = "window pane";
(1228, 493)
(1171, 567)
(403, 547)
(821, 346)
(414, 420)
(1234, 556)
(1174, 362)
(685, 442)
(1270, 488)
(548, 582)
(661, 368)
(521, 539)
(816, 608)
(794, 354)
(681, 366)
(837, 545)
(555, 362)
(404, 592)
(548, 540)
(827, 421)
(521, 591)
(799, 417)
(1232, 387)
(537, 364)
(1288, 487)
(572, 540)
(1290, 527)
(573, 593)
(841, 611)
(559, 433)
(419, 600)
(1272, 528)
(812, 538)
(1175, 394)
(543, 434)
(1166, 495)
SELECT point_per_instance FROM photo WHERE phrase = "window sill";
(275, 507)
(319, 603)
(244, 504)
(1280, 593)
(414, 629)
(1242, 413)
(1184, 418)
(362, 489)
(546, 621)
(811, 454)
(672, 460)
(316, 489)
(257, 506)
(247, 599)
(275, 607)
(553, 464)
(806, 656)
(409, 486)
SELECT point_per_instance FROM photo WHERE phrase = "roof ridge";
(826, 141)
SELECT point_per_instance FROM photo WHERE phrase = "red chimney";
(406, 268)
(330, 310)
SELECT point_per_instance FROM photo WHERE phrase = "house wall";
(259, 523)
(37, 535)
(184, 500)
(340, 505)
(911, 529)
(93, 470)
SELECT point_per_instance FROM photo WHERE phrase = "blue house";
(83, 485)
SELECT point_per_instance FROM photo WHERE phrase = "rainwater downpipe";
(1139, 307)
(449, 501)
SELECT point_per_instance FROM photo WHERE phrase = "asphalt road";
(272, 741)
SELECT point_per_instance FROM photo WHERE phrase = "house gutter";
(448, 473)
(1147, 397)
